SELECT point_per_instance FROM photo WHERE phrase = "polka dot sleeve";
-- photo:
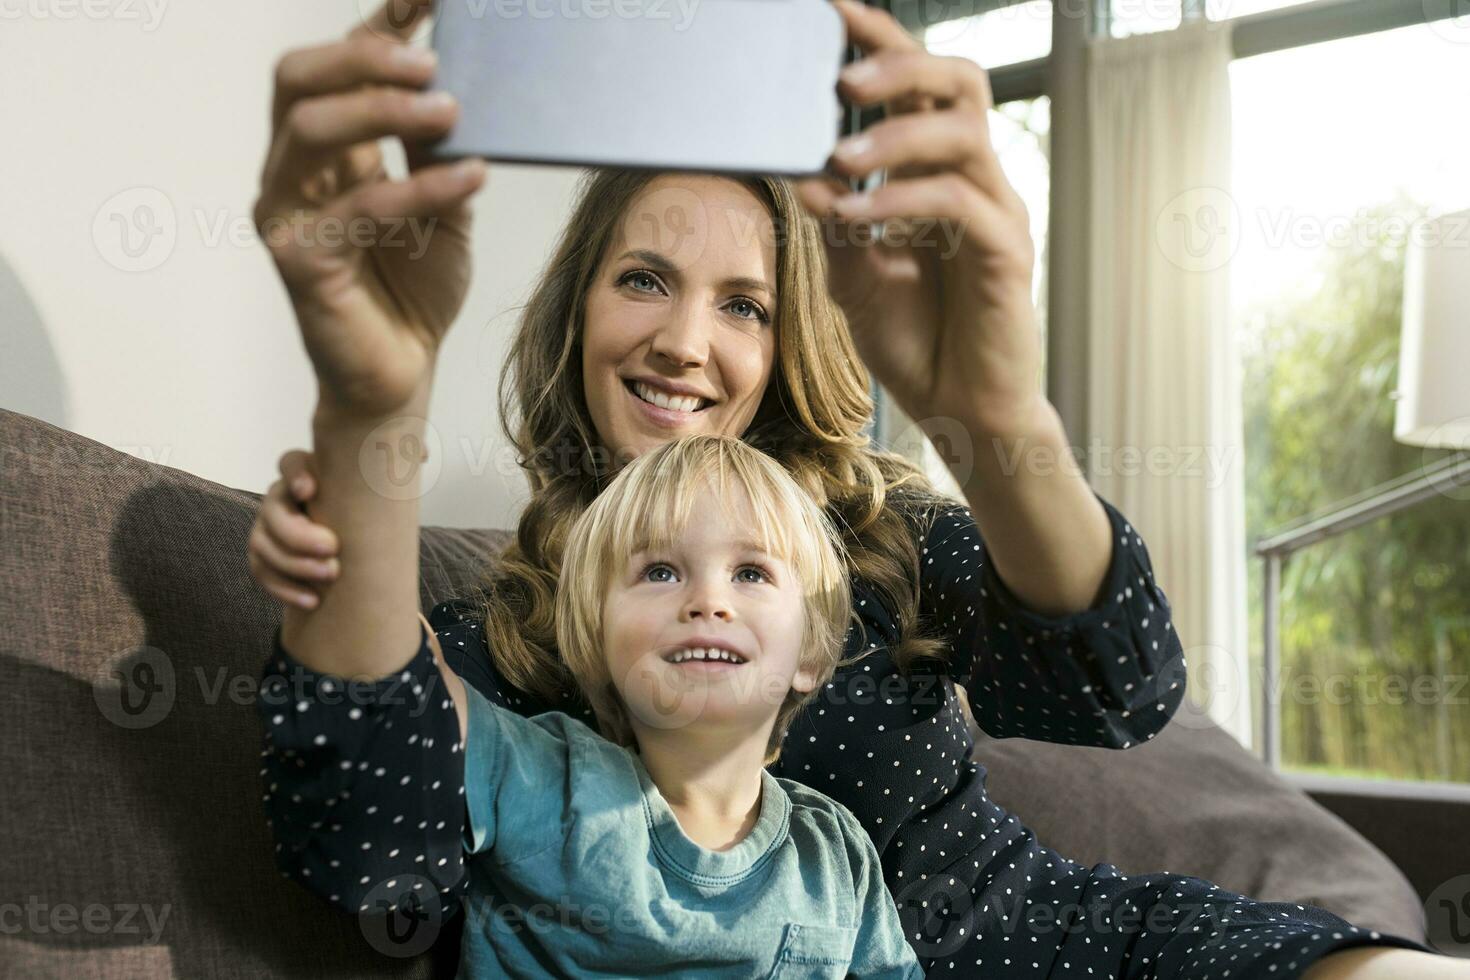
(364, 783)
(1109, 676)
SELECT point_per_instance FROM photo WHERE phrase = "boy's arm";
(517, 776)
(881, 950)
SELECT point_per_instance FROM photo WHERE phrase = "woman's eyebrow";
(663, 265)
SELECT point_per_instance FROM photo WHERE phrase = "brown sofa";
(125, 819)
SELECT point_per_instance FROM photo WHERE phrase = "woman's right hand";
(376, 269)
(290, 555)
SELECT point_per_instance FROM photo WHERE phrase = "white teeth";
(701, 653)
(684, 403)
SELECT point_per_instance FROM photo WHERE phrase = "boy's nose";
(708, 604)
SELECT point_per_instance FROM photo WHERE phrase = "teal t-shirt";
(578, 868)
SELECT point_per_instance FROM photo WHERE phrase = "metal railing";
(1390, 498)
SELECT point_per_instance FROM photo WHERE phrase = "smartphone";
(738, 86)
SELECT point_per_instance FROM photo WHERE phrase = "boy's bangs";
(652, 515)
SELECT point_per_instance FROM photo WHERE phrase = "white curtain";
(1164, 401)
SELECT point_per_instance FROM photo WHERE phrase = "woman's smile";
(668, 416)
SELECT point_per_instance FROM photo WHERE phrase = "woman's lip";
(663, 417)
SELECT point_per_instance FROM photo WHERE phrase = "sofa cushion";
(110, 563)
(1193, 801)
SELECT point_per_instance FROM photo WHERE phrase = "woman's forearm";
(1048, 536)
(368, 474)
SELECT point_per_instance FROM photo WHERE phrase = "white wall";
(196, 362)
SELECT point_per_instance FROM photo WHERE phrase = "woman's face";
(680, 332)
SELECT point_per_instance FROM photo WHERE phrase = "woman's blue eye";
(757, 314)
(635, 274)
(760, 314)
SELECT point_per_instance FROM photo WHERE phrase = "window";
(1019, 132)
(1128, 17)
(1227, 9)
(1011, 34)
(1329, 178)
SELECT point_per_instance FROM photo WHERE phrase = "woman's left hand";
(939, 308)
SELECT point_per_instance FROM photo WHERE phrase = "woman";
(1052, 621)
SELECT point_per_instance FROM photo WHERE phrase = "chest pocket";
(814, 953)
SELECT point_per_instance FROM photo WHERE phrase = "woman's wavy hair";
(810, 420)
(648, 507)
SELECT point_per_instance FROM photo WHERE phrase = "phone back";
(709, 85)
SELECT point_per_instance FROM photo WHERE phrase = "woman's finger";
(873, 29)
(318, 131)
(293, 531)
(430, 191)
(922, 144)
(346, 65)
(282, 589)
(876, 31)
(896, 74)
(948, 197)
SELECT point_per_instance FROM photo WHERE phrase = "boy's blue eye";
(654, 566)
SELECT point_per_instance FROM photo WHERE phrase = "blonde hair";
(811, 420)
(647, 506)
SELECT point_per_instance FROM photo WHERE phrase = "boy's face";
(712, 587)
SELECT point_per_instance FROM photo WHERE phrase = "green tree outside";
(1375, 624)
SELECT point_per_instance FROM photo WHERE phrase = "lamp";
(1433, 396)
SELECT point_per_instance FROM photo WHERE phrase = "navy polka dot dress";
(365, 789)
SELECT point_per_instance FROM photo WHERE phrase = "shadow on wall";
(30, 372)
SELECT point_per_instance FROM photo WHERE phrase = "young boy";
(702, 601)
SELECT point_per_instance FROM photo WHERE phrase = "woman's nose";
(684, 340)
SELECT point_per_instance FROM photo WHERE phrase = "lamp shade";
(1433, 396)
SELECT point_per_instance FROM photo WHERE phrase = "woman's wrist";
(334, 415)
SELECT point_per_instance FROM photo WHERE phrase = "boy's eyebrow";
(746, 544)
